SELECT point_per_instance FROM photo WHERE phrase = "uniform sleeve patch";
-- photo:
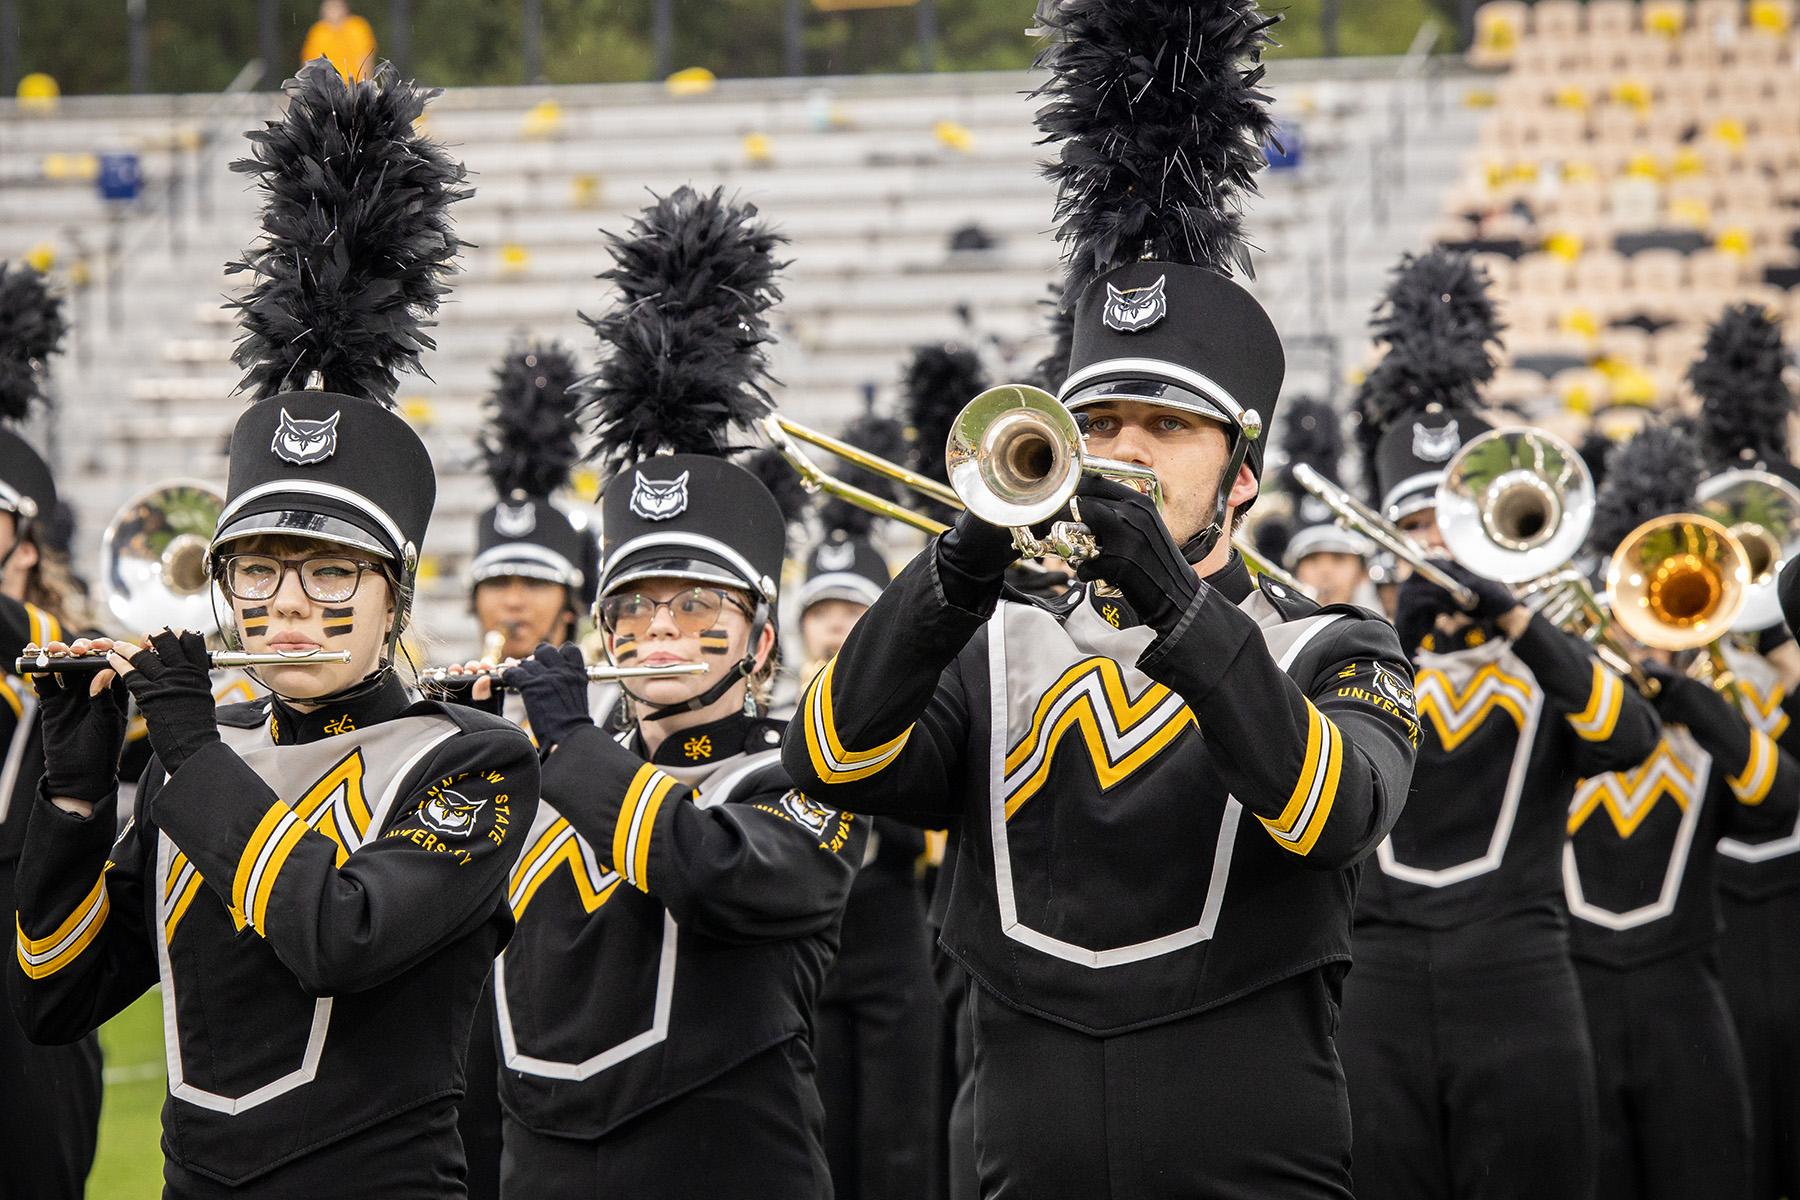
(809, 813)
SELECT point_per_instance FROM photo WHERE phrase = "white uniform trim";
(1083, 956)
(308, 1069)
(1664, 904)
(495, 559)
(717, 790)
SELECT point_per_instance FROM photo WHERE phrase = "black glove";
(1137, 555)
(1683, 700)
(83, 736)
(172, 683)
(1416, 609)
(1491, 599)
(1787, 587)
(972, 558)
(554, 684)
(462, 692)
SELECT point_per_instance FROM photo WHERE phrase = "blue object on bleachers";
(1284, 149)
(121, 177)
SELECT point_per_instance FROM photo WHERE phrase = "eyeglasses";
(328, 580)
(694, 611)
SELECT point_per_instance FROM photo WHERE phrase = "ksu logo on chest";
(305, 443)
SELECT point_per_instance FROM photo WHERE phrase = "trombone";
(1358, 517)
(1015, 458)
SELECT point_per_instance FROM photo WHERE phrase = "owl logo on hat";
(305, 443)
(1437, 444)
(515, 520)
(1136, 309)
(659, 499)
(838, 556)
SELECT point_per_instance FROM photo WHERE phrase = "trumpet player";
(1164, 785)
(1464, 1042)
(679, 899)
(1639, 874)
(316, 882)
(49, 1095)
(1745, 405)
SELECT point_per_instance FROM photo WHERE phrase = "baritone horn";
(153, 569)
(1515, 504)
(1762, 510)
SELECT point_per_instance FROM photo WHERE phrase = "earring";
(749, 700)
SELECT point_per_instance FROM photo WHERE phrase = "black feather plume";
(683, 364)
(357, 237)
(880, 436)
(1156, 108)
(31, 330)
(1744, 402)
(784, 484)
(1053, 368)
(1311, 432)
(939, 381)
(1441, 330)
(530, 445)
(1653, 474)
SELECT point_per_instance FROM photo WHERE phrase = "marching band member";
(1745, 408)
(876, 1025)
(1463, 1035)
(1163, 793)
(316, 882)
(1638, 874)
(49, 1095)
(679, 899)
(1331, 562)
(531, 579)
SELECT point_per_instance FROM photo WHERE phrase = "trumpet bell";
(1515, 504)
(1014, 456)
(153, 558)
(1762, 510)
(1678, 582)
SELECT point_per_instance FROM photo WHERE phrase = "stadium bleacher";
(869, 177)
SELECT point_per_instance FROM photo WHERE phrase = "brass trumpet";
(38, 661)
(598, 673)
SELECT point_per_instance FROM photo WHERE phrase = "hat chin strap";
(745, 667)
(1196, 548)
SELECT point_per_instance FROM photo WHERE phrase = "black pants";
(415, 1156)
(754, 1133)
(1674, 1115)
(1243, 1102)
(1760, 961)
(49, 1107)
(875, 1041)
(478, 1116)
(956, 1083)
(1470, 1079)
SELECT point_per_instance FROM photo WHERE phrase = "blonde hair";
(52, 586)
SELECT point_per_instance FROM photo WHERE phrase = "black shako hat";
(356, 241)
(31, 331)
(691, 516)
(1412, 453)
(1179, 336)
(845, 566)
(528, 450)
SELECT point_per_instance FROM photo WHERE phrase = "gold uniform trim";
(1456, 713)
(274, 838)
(637, 817)
(558, 846)
(42, 957)
(1315, 790)
(1752, 784)
(832, 762)
(1606, 699)
(1620, 793)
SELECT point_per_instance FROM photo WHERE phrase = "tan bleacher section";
(1660, 122)
(868, 177)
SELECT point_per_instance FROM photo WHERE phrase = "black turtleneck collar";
(716, 740)
(290, 727)
(1233, 579)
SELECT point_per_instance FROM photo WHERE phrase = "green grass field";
(129, 1163)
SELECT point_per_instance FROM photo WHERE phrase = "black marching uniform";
(1639, 876)
(1136, 942)
(49, 1095)
(319, 891)
(878, 1014)
(678, 906)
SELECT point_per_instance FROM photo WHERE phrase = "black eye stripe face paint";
(255, 620)
(338, 622)
(715, 641)
(624, 647)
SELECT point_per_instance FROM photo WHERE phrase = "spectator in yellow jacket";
(344, 38)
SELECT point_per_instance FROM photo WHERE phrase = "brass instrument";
(1515, 504)
(1678, 583)
(1015, 458)
(599, 673)
(1354, 515)
(38, 661)
(1762, 510)
(153, 568)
